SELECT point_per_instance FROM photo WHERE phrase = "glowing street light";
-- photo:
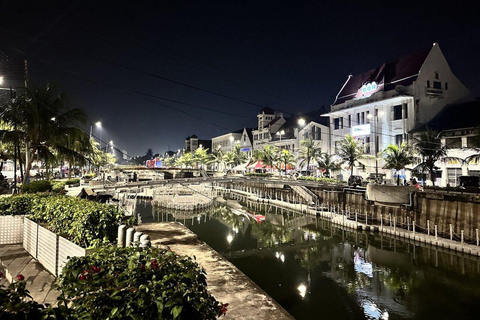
(302, 290)
(280, 133)
(301, 122)
(229, 238)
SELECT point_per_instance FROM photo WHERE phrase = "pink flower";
(142, 267)
(154, 264)
(20, 277)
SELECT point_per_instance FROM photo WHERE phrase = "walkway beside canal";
(342, 220)
(228, 284)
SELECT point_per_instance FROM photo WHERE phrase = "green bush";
(83, 222)
(19, 204)
(320, 179)
(258, 174)
(137, 283)
(38, 186)
(69, 182)
(89, 176)
(58, 186)
(16, 303)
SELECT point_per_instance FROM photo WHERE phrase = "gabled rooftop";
(387, 76)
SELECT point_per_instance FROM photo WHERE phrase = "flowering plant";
(137, 283)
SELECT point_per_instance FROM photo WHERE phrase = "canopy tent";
(240, 167)
(258, 165)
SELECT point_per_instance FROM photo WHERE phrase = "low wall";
(11, 229)
(50, 249)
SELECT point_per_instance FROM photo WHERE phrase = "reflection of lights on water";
(302, 289)
(314, 236)
(229, 238)
(198, 218)
(372, 311)
(235, 230)
(280, 256)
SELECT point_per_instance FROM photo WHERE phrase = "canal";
(317, 270)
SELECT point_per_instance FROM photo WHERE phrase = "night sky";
(293, 56)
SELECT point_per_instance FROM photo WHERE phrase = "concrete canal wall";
(438, 215)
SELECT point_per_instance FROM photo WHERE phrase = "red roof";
(400, 72)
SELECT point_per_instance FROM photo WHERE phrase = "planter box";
(47, 249)
(50, 249)
(30, 231)
(11, 229)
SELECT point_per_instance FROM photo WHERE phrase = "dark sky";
(292, 56)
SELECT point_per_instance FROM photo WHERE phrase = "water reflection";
(308, 264)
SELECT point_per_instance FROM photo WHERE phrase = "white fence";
(11, 229)
(50, 249)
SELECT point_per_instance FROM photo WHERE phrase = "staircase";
(306, 194)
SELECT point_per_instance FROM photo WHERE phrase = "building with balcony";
(381, 106)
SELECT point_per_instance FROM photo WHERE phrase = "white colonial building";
(381, 106)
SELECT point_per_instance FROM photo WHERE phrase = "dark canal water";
(318, 271)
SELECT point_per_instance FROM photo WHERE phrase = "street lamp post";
(375, 120)
(279, 133)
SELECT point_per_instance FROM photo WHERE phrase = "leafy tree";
(168, 161)
(474, 158)
(200, 156)
(326, 161)
(98, 158)
(430, 150)
(217, 157)
(309, 152)
(46, 124)
(350, 152)
(239, 156)
(186, 160)
(287, 158)
(398, 158)
(270, 156)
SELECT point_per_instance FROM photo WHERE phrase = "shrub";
(16, 303)
(320, 179)
(70, 182)
(58, 186)
(137, 283)
(19, 204)
(83, 222)
(258, 174)
(89, 176)
(38, 186)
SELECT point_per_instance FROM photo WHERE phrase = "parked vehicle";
(470, 183)
(355, 181)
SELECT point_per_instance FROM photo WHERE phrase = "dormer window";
(369, 87)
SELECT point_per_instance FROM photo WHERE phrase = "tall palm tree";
(287, 158)
(239, 156)
(326, 161)
(44, 117)
(430, 150)
(350, 152)
(309, 152)
(474, 158)
(217, 157)
(398, 158)
(270, 156)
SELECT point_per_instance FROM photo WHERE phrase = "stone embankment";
(351, 219)
(228, 284)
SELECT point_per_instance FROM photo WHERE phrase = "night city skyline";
(230, 59)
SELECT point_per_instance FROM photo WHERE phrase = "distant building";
(269, 122)
(381, 106)
(225, 142)
(192, 143)
(456, 125)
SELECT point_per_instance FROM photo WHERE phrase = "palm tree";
(200, 156)
(430, 150)
(309, 152)
(217, 157)
(350, 152)
(326, 161)
(398, 158)
(270, 156)
(287, 158)
(474, 158)
(47, 124)
(239, 156)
